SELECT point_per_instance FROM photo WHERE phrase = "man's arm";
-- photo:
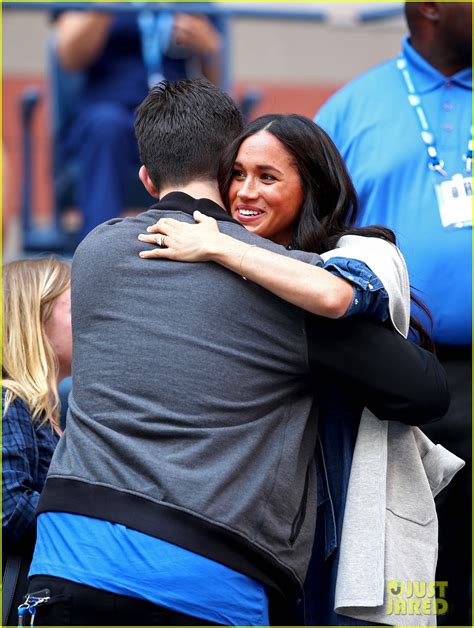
(395, 379)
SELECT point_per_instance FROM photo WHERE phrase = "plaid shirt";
(26, 451)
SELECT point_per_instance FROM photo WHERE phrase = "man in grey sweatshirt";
(183, 490)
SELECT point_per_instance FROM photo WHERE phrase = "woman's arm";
(309, 287)
(19, 454)
(394, 378)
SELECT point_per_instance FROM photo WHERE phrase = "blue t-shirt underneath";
(115, 558)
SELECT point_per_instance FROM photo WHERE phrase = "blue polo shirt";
(378, 134)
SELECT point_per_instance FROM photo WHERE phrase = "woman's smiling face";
(266, 192)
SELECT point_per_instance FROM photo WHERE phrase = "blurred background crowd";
(272, 57)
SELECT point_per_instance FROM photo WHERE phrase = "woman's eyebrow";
(268, 167)
(237, 164)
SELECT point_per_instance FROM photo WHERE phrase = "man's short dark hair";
(182, 128)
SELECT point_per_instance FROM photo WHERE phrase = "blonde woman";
(37, 347)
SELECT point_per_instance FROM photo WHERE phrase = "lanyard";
(427, 135)
(156, 30)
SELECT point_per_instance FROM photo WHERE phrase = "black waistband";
(453, 352)
(170, 524)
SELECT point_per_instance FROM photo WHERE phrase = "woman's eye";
(268, 177)
(237, 174)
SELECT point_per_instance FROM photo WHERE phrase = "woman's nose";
(248, 190)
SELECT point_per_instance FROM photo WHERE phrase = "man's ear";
(429, 10)
(147, 182)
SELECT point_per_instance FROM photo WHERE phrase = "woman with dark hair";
(284, 180)
(329, 202)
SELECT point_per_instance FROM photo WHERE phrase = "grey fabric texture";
(191, 390)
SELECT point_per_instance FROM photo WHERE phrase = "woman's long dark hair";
(330, 203)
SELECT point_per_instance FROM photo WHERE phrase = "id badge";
(455, 202)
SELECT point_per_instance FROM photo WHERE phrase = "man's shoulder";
(111, 246)
(115, 226)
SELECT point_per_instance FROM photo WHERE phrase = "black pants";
(73, 604)
(453, 504)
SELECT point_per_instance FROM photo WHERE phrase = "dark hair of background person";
(330, 203)
(182, 128)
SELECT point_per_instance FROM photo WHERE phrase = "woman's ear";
(147, 182)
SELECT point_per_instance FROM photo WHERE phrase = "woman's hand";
(184, 242)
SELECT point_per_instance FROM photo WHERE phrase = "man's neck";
(197, 189)
(446, 63)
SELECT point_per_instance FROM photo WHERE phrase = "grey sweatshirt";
(190, 416)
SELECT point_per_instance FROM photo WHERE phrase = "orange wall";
(302, 99)
(12, 140)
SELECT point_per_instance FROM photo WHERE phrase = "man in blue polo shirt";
(404, 129)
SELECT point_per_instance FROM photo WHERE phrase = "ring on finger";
(160, 240)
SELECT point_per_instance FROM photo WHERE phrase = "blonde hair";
(30, 368)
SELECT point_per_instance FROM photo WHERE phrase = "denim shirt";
(370, 297)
